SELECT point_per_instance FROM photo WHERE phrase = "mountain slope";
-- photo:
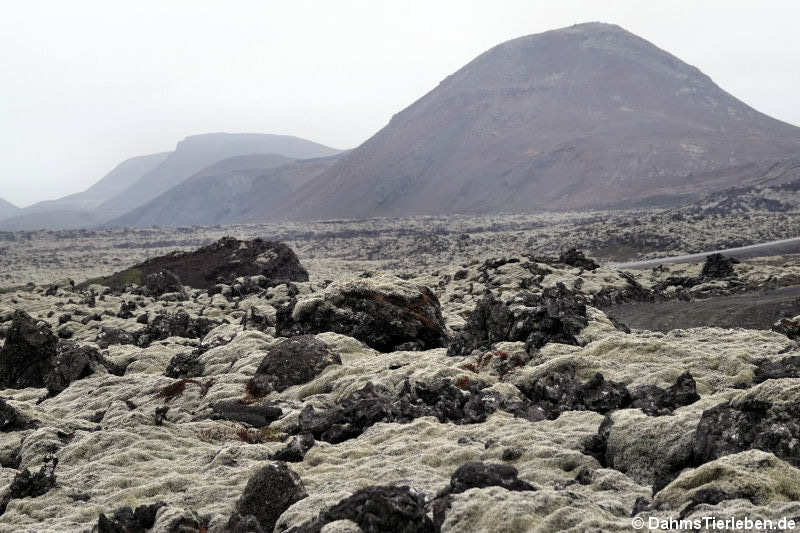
(120, 178)
(197, 152)
(585, 116)
(239, 189)
(7, 209)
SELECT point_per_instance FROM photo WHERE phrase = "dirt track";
(757, 310)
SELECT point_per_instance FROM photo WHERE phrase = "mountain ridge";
(573, 118)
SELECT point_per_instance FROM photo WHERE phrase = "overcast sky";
(86, 84)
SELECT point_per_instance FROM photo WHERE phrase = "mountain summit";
(585, 116)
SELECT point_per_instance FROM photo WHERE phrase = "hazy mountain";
(120, 178)
(585, 116)
(80, 210)
(198, 152)
(7, 209)
(238, 189)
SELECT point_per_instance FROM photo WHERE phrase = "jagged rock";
(560, 390)
(557, 315)
(295, 450)
(480, 475)
(386, 313)
(179, 324)
(788, 367)
(25, 357)
(127, 520)
(252, 414)
(477, 475)
(185, 365)
(268, 493)
(377, 509)
(220, 262)
(162, 326)
(70, 363)
(126, 309)
(27, 485)
(718, 266)
(788, 326)
(257, 319)
(109, 335)
(576, 258)
(292, 362)
(372, 404)
(34, 357)
(656, 401)
(13, 420)
(731, 428)
(162, 282)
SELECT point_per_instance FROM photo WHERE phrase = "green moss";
(126, 277)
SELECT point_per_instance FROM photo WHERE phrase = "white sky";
(86, 84)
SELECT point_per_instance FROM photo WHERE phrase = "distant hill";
(198, 152)
(580, 117)
(140, 179)
(7, 209)
(239, 189)
(120, 178)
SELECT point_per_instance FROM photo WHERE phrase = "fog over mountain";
(239, 189)
(7, 208)
(140, 179)
(199, 151)
(585, 116)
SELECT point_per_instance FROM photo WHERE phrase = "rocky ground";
(338, 390)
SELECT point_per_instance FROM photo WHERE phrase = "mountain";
(7, 209)
(120, 178)
(81, 210)
(585, 116)
(198, 152)
(238, 189)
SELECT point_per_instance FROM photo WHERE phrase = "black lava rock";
(717, 266)
(127, 520)
(294, 361)
(377, 509)
(383, 319)
(557, 315)
(253, 414)
(27, 485)
(268, 493)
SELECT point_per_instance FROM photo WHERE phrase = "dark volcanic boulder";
(253, 414)
(480, 475)
(560, 390)
(162, 282)
(268, 493)
(27, 485)
(371, 404)
(656, 401)
(386, 313)
(162, 326)
(477, 475)
(557, 315)
(732, 427)
(25, 357)
(788, 326)
(220, 262)
(34, 357)
(718, 266)
(294, 361)
(127, 520)
(377, 509)
(576, 258)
